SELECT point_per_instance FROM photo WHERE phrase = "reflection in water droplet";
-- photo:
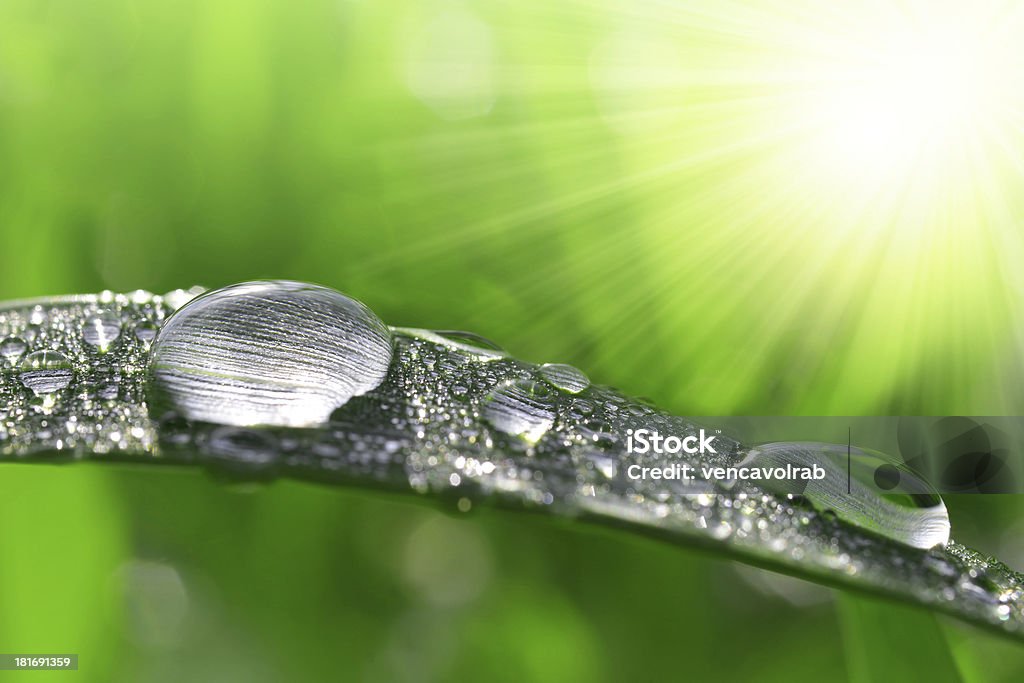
(565, 377)
(45, 372)
(12, 349)
(887, 476)
(521, 408)
(909, 510)
(245, 447)
(267, 353)
(101, 331)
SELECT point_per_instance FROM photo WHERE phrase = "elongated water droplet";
(469, 339)
(480, 347)
(565, 377)
(521, 408)
(45, 372)
(267, 353)
(12, 349)
(862, 487)
(101, 331)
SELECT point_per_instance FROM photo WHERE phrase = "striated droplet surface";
(45, 372)
(274, 353)
(101, 331)
(565, 377)
(520, 408)
(863, 487)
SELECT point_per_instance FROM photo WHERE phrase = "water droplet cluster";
(458, 419)
(71, 377)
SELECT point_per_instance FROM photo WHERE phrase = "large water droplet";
(521, 408)
(267, 353)
(12, 349)
(101, 331)
(45, 372)
(565, 377)
(862, 487)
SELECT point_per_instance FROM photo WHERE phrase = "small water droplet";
(37, 316)
(601, 463)
(521, 408)
(101, 331)
(565, 377)
(598, 432)
(45, 372)
(141, 296)
(179, 297)
(721, 530)
(267, 353)
(12, 349)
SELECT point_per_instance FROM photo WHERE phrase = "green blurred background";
(631, 187)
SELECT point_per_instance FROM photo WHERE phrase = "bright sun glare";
(911, 96)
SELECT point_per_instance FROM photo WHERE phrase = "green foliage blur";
(453, 165)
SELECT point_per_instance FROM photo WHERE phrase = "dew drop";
(267, 353)
(521, 408)
(12, 349)
(469, 339)
(179, 297)
(101, 331)
(45, 372)
(145, 331)
(480, 347)
(565, 377)
(876, 492)
(601, 463)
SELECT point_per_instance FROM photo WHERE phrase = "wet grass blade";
(467, 425)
